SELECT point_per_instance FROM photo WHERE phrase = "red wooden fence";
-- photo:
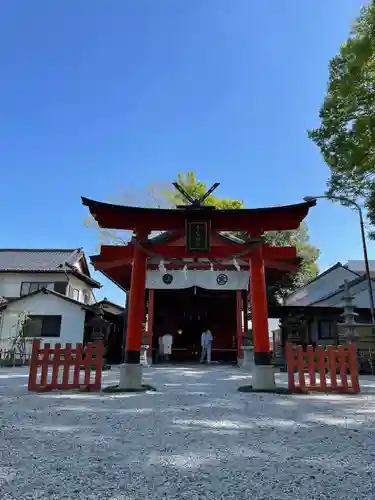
(328, 363)
(42, 358)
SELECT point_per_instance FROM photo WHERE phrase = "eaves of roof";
(321, 275)
(83, 277)
(45, 291)
(106, 301)
(341, 288)
(72, 271)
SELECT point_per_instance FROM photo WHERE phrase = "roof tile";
(37, 259)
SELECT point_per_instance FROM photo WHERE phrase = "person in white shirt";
(206, 343)
(167, 340)
(161, 348)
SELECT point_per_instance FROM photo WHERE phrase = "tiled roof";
(108, 302)
(20, 259)
(35, 260)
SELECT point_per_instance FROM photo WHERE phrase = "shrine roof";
(114, 262)
(231, 237)
(258, 220)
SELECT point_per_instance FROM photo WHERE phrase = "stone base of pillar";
(247, 366)
(263, 377)
(144, 355)
(130, 377)
(248, 359)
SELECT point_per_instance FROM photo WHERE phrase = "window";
(73, 293)
(42, 326)
(326, 330)
(85, 297)
(30, 287)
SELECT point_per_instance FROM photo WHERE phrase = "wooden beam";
(219, 222)
(121, 274)
(119, 254)
(280, 265)
(197, 266)
(118, 264)
(102, 264)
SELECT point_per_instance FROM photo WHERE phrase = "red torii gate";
(202, 220)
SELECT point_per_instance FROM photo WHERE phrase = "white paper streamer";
(236, 265)
(162, 267)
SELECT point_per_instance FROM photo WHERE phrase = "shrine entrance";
(196, 249)
(186, 313)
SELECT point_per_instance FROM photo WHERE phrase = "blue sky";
(101, 94)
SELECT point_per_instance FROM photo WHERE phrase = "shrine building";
(196, 275)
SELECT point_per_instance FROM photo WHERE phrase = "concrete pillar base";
(143, 356)
(247, 366)
(263, 377)
(130, 376)
(248, 359)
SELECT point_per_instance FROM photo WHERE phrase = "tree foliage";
(196, 189)
(167, 196)
(346, 134)
(153, 197)
(308, 253)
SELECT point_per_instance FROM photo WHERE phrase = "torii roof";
(172, 221)
(253, 220)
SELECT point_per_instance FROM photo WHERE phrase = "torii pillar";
(263, 376)
(131, 370)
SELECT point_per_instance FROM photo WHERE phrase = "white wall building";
(51, 287)
(52, 318)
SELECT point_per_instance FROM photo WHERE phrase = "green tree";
(195, 189)
(346, 134)
(154, 197)
(307, 252)
(165, 195)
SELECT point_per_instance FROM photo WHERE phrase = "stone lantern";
(99, 325)
(349, 326)
(100, 331)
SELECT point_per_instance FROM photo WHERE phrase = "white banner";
(210, 280)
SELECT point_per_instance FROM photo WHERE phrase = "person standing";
(206, 344)
(160, 348)
(167, 346)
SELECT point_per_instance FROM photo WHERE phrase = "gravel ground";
(196, 438)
